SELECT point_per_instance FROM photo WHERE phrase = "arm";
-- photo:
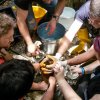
(88, 69)
(21, 21)
(69, 35)
(50, 91)
(57, 12)
(67, 91)
(59, 8)
(81, 14)
(82, 57)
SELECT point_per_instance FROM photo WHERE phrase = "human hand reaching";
(52, 26)
(58, 72)
(33, 48)
(75, 70)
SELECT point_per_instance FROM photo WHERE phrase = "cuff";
(58, 55)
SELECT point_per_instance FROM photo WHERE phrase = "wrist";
(60, 80)
(56, 17)
(58, 55)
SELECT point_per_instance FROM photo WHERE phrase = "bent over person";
(24, 8)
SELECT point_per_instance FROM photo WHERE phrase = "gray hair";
(6, 23)
(95, 8)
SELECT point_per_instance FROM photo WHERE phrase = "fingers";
(75, 69)
(47, 27)
(50, 31)
(58, 68)
(50, 27)
(50, 66)
(46, 71)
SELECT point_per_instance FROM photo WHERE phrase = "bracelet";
(56, 17)
(83, 71)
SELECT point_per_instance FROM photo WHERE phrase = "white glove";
(62, 63)
(57, 56)
(32, 48)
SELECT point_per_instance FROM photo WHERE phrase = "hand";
(51, 25)
(52, 62)
(33, 49)
(7, 56)
(76, 70)
(58, 72)
(62, 63)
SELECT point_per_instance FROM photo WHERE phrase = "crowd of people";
(17, 76)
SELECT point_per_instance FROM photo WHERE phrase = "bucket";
(49, 46)
(39, 12)
(67, 17)
(50, 41)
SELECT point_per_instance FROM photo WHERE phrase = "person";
(90, 12)
(54, 8)
(94, 68)
(7, 25)
(68, 92)
(89, 88)
(16, 79)
(93, 89)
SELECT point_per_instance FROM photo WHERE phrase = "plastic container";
(39, 12)
(67, 17)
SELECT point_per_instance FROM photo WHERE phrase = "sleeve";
(83, 12)
(23, 4)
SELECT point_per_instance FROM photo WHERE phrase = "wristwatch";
(56, 17)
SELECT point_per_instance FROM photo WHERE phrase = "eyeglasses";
(93, 19)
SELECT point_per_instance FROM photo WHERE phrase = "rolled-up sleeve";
(23, 4)
(83, 12)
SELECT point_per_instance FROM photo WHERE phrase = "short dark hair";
(16, 78)
(6, 23)
(95, 8)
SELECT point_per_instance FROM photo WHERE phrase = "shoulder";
(23, 4)
(83, 11)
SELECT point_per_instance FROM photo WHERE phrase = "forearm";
(89, 68)
(24, 31)
(67, 91)
(59, 8)
(69, 35)
(21, 21)
(65, 43)
(48, 94)
(82, 57)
